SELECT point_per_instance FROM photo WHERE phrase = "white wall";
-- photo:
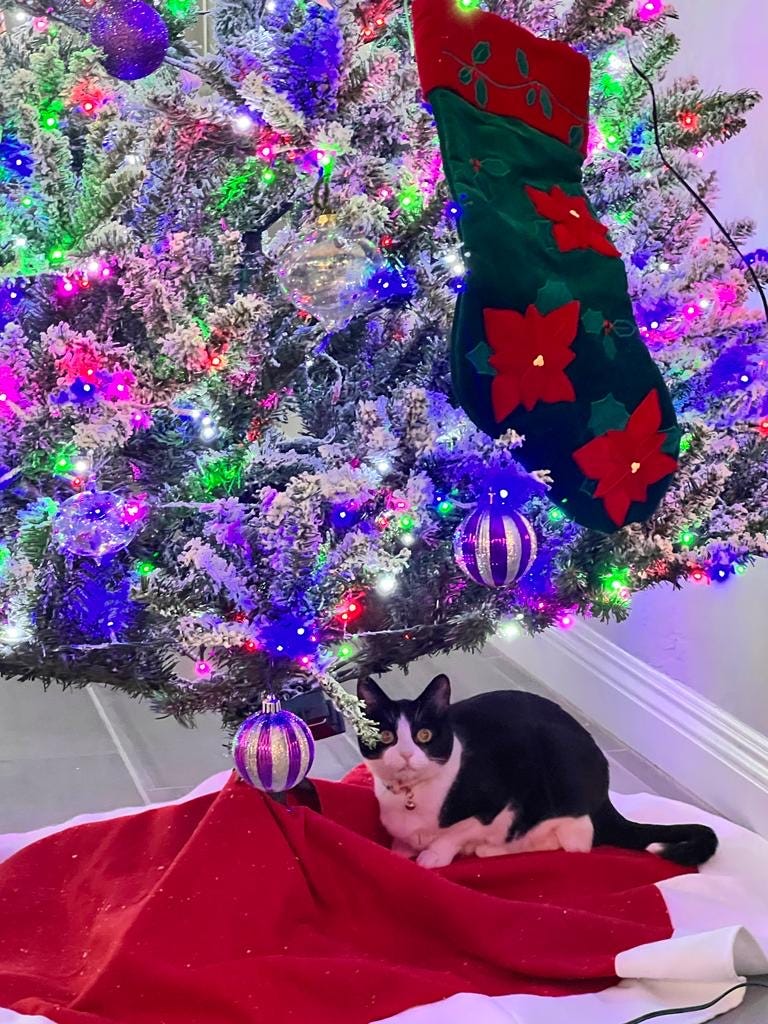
(715, 639)
(723, 43)
(712, 638)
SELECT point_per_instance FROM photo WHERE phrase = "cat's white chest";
(411, 815)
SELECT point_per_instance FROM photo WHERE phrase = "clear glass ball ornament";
(327, 274)
(94, 524)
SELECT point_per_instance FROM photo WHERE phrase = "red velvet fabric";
(445, 38)
(231, 909)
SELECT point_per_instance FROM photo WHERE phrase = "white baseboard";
(707, 750)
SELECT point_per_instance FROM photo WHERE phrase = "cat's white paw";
(576, 834)
(438, 856)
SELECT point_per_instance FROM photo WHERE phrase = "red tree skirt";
(228, 908)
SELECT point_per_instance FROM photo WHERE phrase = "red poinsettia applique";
(626, 462)
(575, 226)
(530, 353)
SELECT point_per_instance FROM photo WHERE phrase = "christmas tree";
(231, 457)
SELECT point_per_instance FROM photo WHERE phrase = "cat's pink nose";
(406, 757)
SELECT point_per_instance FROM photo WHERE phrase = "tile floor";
(66, 753)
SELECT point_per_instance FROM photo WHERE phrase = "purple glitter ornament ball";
(495, 546)
(133, 36)
(274, 749)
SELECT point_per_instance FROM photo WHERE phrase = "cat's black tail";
(688, 845)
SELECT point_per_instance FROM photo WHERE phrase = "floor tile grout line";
(121, 751)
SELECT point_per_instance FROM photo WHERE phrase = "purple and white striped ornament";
(273, 750)
(495, 546)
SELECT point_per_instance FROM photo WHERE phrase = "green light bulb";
(556, 515)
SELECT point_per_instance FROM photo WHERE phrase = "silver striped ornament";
(495, 546)
(273, 750)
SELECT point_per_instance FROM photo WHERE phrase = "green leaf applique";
(672, 443)
(588, 487)
(465, 75)
(530, 96)
(481, 53)
(481, 92)
(479, 356)
(609, 346)
(522, 63)
(624, 328)
(593, 321)
(607, 414)
(495, 167)
(576, 136)
(546, 103)
(553, 295)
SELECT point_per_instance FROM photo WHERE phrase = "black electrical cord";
(707, 209)
(694, 1009)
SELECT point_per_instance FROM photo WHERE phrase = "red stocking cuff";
(502, 68)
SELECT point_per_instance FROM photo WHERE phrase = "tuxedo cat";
(505, 772)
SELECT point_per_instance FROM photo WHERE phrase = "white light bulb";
(93, 266)
(14, 633)
(383, 466)
(503, 493)
(242, 123)
(704, 303)
(509, 630)
(20, 242)
(301, 631)
(615, 63)
(270, 6)
(21, 16)
(207, 433)
(386, 584)
(408, 540)
(206, 420)
(664, 267)
(82, 465)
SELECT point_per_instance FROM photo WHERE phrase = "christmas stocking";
(544, 338)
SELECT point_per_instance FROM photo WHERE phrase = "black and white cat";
(505, 772)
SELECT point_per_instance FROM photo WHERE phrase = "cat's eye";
(423, 735)
(387, 737)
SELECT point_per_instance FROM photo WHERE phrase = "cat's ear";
(372, 695)
(437, 695)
